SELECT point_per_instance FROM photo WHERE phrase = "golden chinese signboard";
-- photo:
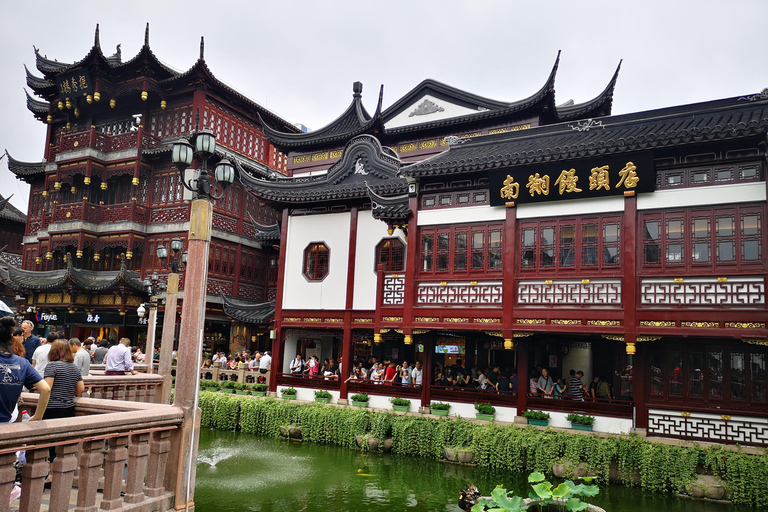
(74, 83)
(573, 179)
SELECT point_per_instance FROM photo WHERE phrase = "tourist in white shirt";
(416, 374)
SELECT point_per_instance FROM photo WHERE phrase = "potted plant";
(322, 396)
(242, 388)
(439, 408)
(259, 389)
(288, 393)
(227, 386)
(360, 400)
(581, 422)
(209, 385)
(485, 411)
(538, 418)
(400, 404)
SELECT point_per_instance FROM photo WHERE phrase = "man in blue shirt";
(15, 373)
(31, 342)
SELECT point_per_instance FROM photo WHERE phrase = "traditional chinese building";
(106, 193)
(12, 233)
(528, 235)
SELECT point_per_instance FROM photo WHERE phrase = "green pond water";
(240, 472)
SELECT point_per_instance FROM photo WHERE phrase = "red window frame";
(702, 240)
(571, 245)
(461, 251)
(390, 253)
(717, 374)
(316, 261)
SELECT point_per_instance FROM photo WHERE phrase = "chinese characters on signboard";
(74, 83)
(573, 179)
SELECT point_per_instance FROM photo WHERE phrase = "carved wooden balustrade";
(103, 142)
(145, 437)
(218, 374)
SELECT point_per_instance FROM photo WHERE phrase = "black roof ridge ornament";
(96, 41)
(202, 48)
(146, 36)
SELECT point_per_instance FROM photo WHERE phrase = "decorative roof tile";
(249, 311)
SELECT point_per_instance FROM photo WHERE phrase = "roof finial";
(96, 41)
(146, 35)
(357, 89)
(202, 48)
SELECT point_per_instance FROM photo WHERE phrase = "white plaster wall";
(289, 352)
(721, 194)
(330, 293)
(449, 110)
(578, 359)
(462, 410)
(571, 207)
(604, 424)
(461, 215)
(370, 232)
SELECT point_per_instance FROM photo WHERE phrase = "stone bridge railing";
(146, 437)
(142, 387)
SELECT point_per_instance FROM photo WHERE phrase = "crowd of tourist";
(245, 360)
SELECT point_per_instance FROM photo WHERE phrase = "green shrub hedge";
(652, 466)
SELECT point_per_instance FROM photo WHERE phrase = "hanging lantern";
(87, 180)
(96, 257)
(144, 95)
(103, 185)
(112, 103)
(377, 338)
(79, 254)
(408, 340)
(57, 186)
(45, 193)
(163, 104)
(69, 126)
(38, 260)
(129, 255)
(61, 105)
(49, 255)
(77, 112)
(89, 99)
(508, 343)
(135, 181)
(631, 349)
(68, 103)
(96, 96)
(49, 118)
(73, 190)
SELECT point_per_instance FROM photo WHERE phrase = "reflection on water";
(237, 472)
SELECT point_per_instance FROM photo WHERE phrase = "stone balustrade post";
(7, 477)
(62, 474)
(159, 447)
(33, 477)
(88, 474)
(138, 450)
(113, 472)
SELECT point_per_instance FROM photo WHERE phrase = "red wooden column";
(409, 292)
(631, 246)
(348, 340)
(277, 345)
(510, 260)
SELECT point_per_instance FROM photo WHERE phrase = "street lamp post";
(169, 321)
(153, 285)
(193, 309)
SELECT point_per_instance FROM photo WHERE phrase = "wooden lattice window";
(391, 254)
(461, 249)
(316, 261)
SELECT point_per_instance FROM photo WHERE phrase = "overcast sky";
(299, 58)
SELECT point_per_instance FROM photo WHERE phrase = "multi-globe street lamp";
(176, 264)
(152, 285)
(206, 188)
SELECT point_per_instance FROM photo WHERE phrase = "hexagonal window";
(316, 261)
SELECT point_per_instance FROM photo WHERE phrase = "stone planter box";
(226, 390)
(242, 392)
(288, 397)
(401, 408)
(439, 412)
(359, 404)
(258, 393)
(538, 423)
(579, 426)
(484, 417)
(322, 400)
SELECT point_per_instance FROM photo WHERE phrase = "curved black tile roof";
(354, 121)
(26, 171)
(392, 208)
(36, 83)
(364, 164)
(36, 106)
(676, 126)
(10, 212)
(249, 311)
(88, 280)
(597, 107)
(264, 233)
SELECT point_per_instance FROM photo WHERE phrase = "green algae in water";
(239, 472)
